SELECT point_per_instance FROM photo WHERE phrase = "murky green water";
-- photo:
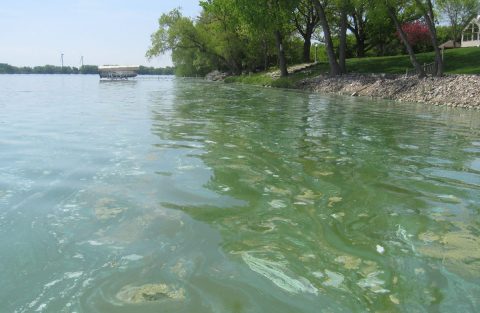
(176, 195)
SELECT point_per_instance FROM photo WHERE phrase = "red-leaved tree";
(417, 34)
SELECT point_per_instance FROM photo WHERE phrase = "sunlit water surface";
(174, 195)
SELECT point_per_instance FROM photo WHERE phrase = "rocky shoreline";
(461, 91)
(216, 76)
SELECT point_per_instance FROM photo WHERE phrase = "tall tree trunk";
(362, 36)
(307, 46)
(403, 36)
(361, 47)
(282, 60)
(360, 39)
(430, 19)
(455, 36)
(358, 30)
(306, 23)
(332, 59)
(342, 50)
(265, 54)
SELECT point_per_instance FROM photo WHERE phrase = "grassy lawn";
(457, 61)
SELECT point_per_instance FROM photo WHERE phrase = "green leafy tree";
(177, 34)
(7, 69)
(359, 22)
(381, 33)
(144, 70)
(88, 69)
(228, 36)
(271, 16)
(306, 20)
(218, 39)
(458, 13)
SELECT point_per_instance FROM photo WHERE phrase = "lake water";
(178, 195)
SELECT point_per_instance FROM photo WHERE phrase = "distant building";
(471, 34)
(450, 45)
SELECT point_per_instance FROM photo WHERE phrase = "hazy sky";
(36, 32)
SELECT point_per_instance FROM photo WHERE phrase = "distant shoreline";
(69, 70)
(79, 74)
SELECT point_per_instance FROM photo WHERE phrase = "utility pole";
(62, 59)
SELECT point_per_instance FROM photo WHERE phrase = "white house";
(471, 34)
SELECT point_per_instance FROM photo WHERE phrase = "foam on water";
(132, 257)
(277, 204)
(70, 275)
(373, 283)
(333, 279)
(277, 273)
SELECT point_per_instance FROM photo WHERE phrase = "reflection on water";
(188, 196)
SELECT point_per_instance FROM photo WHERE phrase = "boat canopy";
(118, 71)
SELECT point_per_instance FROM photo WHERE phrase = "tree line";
(85, 69)
(240, 36)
